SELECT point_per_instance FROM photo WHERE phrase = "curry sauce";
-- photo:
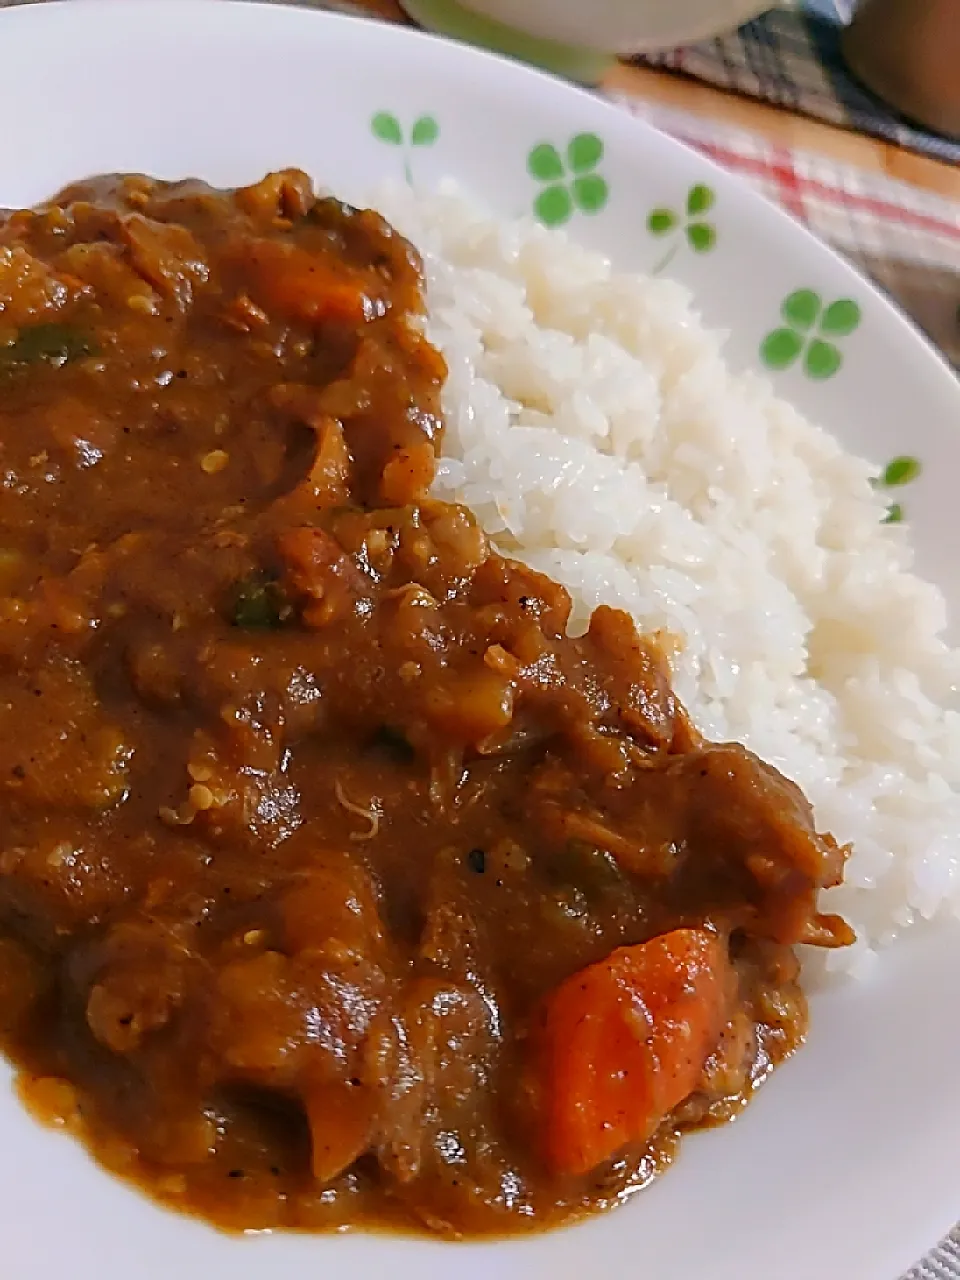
(339, 884)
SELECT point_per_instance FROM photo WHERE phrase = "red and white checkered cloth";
(792, 56)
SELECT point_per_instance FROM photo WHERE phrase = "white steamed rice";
(596, 431)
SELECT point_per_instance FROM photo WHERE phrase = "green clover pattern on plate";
(423, 133)
(699, 233)
(808, 331)
(899, 471)
(570, 182)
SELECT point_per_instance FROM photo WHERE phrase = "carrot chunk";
(299, 285)
(319, 571)
(625, 1041)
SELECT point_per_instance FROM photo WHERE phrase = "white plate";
(847, 1165)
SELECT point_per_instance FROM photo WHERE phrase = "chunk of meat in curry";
(338, 883)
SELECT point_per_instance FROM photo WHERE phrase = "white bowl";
(620, 26)
(579, 38)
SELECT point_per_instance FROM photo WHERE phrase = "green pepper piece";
(54, 343)
(259, 605)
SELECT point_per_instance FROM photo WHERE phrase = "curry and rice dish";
(339, 882)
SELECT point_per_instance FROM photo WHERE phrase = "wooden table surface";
(773, 122)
